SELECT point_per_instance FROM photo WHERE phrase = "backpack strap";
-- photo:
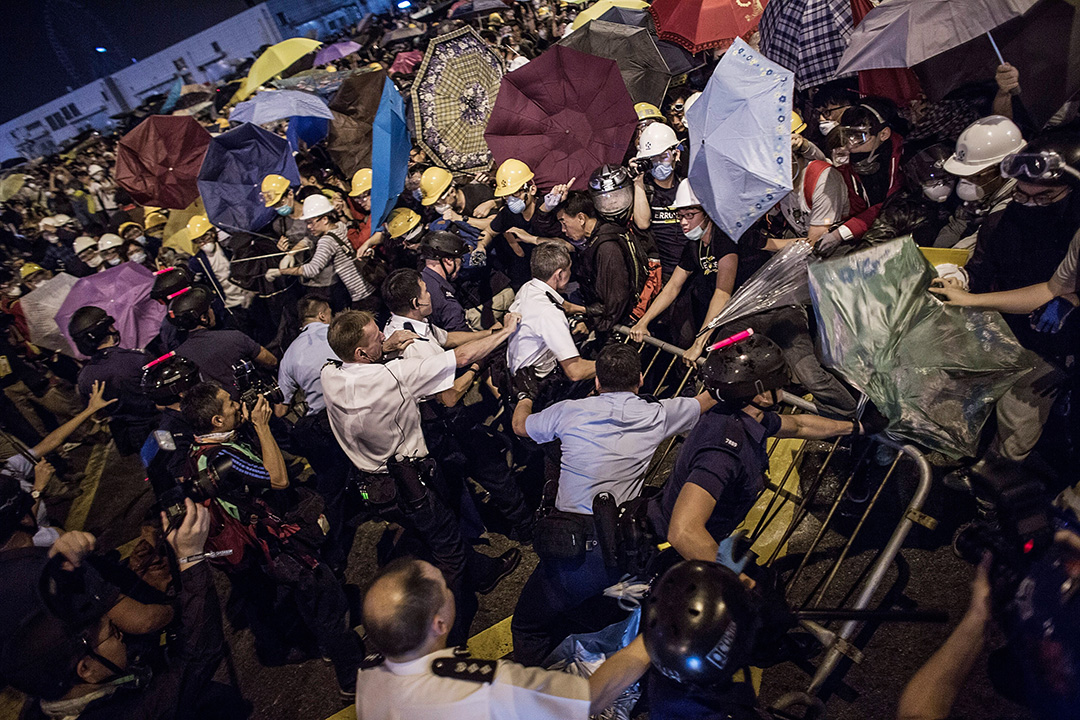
(810, 179)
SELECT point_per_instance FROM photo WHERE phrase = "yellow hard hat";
(648, 111)
(543, 12)
(401, 221)
(29, 269)
(125, 225)
(511, 176)
(797, 123)
(433, 183)
(198, 226)
(495, 19)
(273, 187)
(361, 182)
(154, 220)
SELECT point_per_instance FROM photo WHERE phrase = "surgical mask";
(283, 210)
(442, 208)
(52, 237)
(662, 171)
(94, 262)
(141, 239)
(14, 291)
(938, 192)
(417, 195)
(515, 204)
(968, 191)
(210, 247)
(695, 233)
(114, 261)
(139, 257)
(827, 126)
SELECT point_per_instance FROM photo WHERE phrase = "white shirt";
(410, 691)
(373, 408)
(432, 340)
(219, 263)
(543, 338)
(21, 468)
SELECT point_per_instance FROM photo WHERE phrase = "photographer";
(80, 666)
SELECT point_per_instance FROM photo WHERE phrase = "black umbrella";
(678, 59)
(632, 48)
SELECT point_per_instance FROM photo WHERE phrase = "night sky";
(33, 74)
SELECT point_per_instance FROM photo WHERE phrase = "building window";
(180, 65)
(72, 109)
(282, 19)
(56, 121)
(215, 47)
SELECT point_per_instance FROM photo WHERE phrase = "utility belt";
(404, 485)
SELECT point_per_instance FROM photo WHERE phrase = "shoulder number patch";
(465, 668)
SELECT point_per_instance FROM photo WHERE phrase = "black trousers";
(312, 437)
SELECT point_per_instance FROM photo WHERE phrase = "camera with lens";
(252, 385)
(170, 491)
(640, 166)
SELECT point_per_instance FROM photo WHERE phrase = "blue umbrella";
(740, 139)
(230, 181)
(390, 146)
(271, 105)
(309, 129)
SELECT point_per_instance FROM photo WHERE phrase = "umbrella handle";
(997, 51)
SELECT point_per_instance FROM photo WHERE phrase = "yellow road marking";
(80, 506)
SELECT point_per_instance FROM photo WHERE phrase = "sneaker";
(508, 562)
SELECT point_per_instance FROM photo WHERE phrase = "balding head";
(408, 610)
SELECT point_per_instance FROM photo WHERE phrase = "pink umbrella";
(124, 293)
(405, 62)
(333, 53)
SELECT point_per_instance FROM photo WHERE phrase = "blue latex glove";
(1052, 316)
(734, 552)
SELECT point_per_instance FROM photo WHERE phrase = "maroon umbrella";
(563, 114)
(158, 162)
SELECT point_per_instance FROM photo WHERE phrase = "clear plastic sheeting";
(935, 371)
(780, 282)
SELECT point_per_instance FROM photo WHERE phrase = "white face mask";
(114, 261)
(210, 247)
(93, 262)
(52, 237)
(441, 208)
(141, 239)
(695, 233)
(968, 191)
(827, 126)
(939, 191)
(139, 257)
(14, 291)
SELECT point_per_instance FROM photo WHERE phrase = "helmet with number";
(983, 144)
(88, 328)
(685, 196)
(274, 188)
(164, 379)
(611, 190)
(433, 184)
(361, 182)
(198, 226)
(83, 242)
(28, 270)
(441, 244)
(511, 176)
(655, 139)
(402, 222)
(190, 307)
(108, 241)
(316, 206)
(737, 373)
(699, 624)
(1052, 159)
(169, 281)
(647, 111)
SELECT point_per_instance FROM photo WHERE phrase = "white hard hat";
(690, 101)
(49, 221)
(983, 144)
(685, 196)
(655, 139)
(95, 170)
(83, 242)
(316, 206)
(109, 241)
(61, 219)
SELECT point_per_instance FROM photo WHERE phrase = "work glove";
(828, 243)
(272, 274)
(1051, 318)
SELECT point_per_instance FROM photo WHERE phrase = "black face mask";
(865, 163)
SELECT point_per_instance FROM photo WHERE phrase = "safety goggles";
(1044, 166)
(855, 136)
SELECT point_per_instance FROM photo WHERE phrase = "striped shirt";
(332, 247)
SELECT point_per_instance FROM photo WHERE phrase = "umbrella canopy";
(679, 60)
(176, 234)
(11, 185)
(642, 67)
(273, 62)
(401, 34)
(702, 24)
(123, 292)
(452, 98)
(333, 53)
(740, 139)
(564, 115)
(472, 8)
(231, 178)
(404, 62)
(354, 107)
(40, 306)
(807, 37)
(310, 130)
(271, 105)
(158, 162)
(389, 153)
(902, 33)
(599, 8)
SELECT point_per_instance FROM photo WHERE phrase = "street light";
(100, 49)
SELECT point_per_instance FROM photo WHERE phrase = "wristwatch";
(35, 494)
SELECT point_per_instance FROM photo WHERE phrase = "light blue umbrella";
(740, 139)
(271, 105)
(390, 146)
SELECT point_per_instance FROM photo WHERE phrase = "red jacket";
(863, 214)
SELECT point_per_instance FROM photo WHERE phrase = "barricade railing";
(667, 376)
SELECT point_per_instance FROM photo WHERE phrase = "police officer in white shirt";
(374, 414)
(607, 443)
(408, 613)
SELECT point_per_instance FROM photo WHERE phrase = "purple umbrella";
(333, 53)
(124, 293)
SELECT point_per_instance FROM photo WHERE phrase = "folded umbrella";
(270, 105)
(389, 153)
(231, 178)
(564, 114)
(597, 9)
(275, 60)
(642, 67)
(902, 33)
(702, 24)
(158, 162)
(740, 139)
(333, 53)
(40, 306)
(806, 36)
(354, 107)
(124, 293)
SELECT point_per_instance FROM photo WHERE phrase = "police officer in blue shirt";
(442, 253)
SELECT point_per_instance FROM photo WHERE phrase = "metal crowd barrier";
(667, 376)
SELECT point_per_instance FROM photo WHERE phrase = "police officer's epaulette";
(554, 301)
(648, 398)
(335, 363)
(463, 667)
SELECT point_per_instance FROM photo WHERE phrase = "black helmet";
(441, 244)
(42, 655)
(611, 190)
(89, 327)
(187, 309)
(165, 378)
(1053, 158)
(699, 624)
(169, 281)
(15, 505)
(736, 373)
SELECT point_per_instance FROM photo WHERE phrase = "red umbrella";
(158, 162)
(702, 24)
(563, 114)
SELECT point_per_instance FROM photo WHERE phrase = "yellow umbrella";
(599, 8)
(272, 62)
(10, 185)
(176, 234)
